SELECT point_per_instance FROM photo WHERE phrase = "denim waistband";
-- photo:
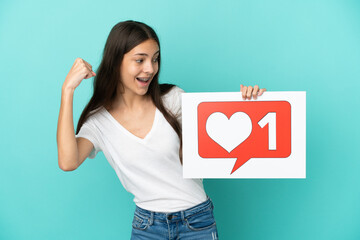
(175, 216)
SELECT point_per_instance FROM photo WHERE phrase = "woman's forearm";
(66, 141)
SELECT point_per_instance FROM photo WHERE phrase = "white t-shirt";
(148, 168)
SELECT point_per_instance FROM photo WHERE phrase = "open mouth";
(143, 80)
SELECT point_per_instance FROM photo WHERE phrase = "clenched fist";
(80, 70)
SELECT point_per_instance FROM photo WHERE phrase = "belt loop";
(183, 216)
(211, 203)
(151, 218)
(209, 200)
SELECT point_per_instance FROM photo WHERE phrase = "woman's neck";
(132, 102)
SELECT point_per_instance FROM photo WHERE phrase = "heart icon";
(229, 133)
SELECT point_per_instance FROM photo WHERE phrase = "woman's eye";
(141, 60)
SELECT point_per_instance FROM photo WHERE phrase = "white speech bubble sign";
(195, 166)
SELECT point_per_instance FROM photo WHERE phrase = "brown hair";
(123, 37)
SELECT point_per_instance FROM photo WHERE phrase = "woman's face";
(139, 67)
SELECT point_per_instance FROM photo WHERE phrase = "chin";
(142, 92)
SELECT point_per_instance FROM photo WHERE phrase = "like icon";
(244, 130)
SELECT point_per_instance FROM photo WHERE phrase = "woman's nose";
(149, 68)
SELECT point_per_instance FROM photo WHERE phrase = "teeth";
(143, 79)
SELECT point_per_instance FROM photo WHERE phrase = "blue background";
(207, 46)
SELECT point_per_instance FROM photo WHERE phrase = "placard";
(227, 137)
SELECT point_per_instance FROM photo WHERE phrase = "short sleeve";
(88, 131)
(172, 101)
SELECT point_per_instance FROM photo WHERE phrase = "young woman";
(136, 122)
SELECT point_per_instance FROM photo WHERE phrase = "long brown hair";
(123, 37)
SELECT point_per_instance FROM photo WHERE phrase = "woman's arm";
(71, 151)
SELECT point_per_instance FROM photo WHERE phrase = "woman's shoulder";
(172, 99)
(95, 114)
(172, 91)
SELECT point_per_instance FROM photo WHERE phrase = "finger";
(88, 65)
(82, 61)
(79, 60)
(261, 91)
(89, 75)
(249, 92)
(255, 92)
(241, 87)
(243, 91)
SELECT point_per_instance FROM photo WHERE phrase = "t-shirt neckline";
(127, 132)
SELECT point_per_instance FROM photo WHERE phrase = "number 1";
(270, 118)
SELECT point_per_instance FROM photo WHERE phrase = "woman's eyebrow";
(145, 54)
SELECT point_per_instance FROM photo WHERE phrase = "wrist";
(67, 90)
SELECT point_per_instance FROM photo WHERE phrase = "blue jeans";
(197, 222)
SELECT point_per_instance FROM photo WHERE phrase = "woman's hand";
(79, 71)
(248, 92)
